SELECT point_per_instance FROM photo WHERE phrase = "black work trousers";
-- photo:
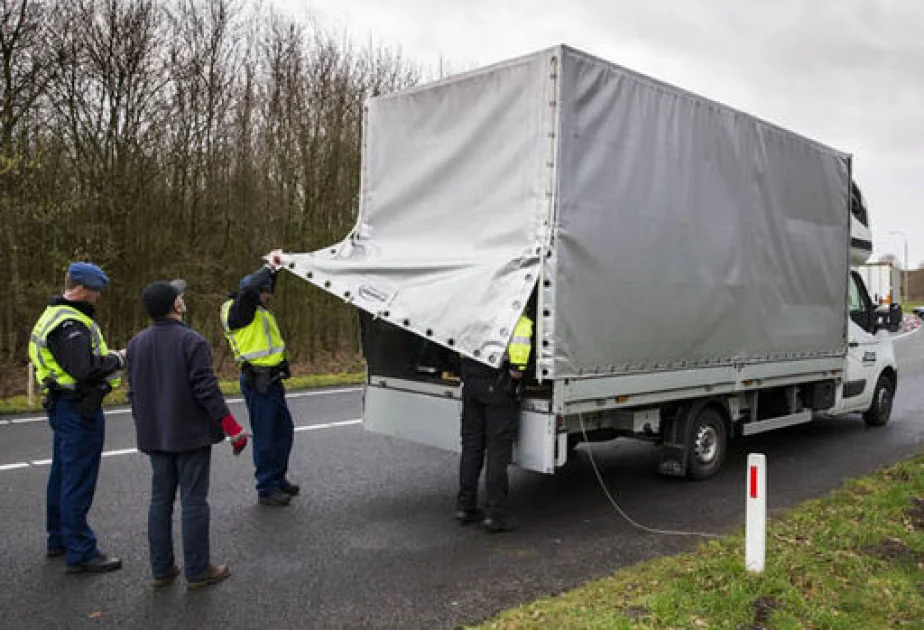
(489, 424)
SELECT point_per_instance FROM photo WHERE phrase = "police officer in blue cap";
(76, 370)
(251, 329)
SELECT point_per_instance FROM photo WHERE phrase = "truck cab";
(871, 377)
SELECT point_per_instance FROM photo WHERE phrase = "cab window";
(854, 303)
(858, 303)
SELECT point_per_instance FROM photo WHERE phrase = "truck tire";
(708, 444)
(880, 410)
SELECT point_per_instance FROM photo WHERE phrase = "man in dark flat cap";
(179, 414)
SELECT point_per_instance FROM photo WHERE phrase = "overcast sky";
(849, 73)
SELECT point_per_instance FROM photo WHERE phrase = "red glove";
(235, 433)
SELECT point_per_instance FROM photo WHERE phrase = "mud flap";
(674, 456)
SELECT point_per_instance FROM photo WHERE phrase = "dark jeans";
(189, 471)
(273, 434)
(76, 450)
(489, 424)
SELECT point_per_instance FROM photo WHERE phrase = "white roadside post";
(755, 531)
(30, 384)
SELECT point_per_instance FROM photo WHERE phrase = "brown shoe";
(215, 574)
(168, 580)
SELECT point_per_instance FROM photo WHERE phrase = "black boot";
(100, 564)
(291, 489)
(467, 517)
(499, 525)
(277, 499)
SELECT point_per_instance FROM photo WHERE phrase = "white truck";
(688, 266)
(883, 281)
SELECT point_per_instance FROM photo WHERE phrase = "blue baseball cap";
(256, 279)
(88, 275)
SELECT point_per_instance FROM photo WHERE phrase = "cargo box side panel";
(421, 418)
(689, 234)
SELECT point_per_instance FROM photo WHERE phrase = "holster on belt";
(513, 387)
(90, 398)
(48, 394)
(86, 397)
(260, 378)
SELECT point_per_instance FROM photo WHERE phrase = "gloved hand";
(121, 355)
(235, 433)
(274, 259)
(514, 385)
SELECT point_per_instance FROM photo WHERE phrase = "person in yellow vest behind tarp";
(490, 413)
(76, 370)
(253, 334)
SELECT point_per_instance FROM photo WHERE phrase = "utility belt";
(500, 378)
(260, 378)
(87, 398)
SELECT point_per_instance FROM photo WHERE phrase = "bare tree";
(26, 66)
(164, 138)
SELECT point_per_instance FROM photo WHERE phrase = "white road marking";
(130, 451)
(313, 427)
(119, 412)
(328, 425)
(14, 466)
(346, 423)
(124, 451)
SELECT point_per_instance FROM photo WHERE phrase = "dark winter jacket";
(173, 390)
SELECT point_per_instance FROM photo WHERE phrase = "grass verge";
(20, 404)
(854, 559)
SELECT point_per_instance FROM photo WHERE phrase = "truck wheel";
(880, 411)
(708, 444)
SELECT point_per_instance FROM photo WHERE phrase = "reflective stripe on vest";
(521, 344)
(259, 343)
(46, 367)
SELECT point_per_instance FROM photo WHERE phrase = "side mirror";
(872, 318)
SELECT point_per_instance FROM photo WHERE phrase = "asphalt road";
(371, 542)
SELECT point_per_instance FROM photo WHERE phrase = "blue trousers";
(273, 434)
(190, 472)
(76, 451)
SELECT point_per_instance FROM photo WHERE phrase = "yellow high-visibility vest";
(46, 367)
(259, 343)
(521, 344)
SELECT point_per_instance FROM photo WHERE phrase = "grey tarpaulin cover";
(666, 231)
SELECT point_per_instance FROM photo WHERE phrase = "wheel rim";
(706, 445)
(885, 402)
